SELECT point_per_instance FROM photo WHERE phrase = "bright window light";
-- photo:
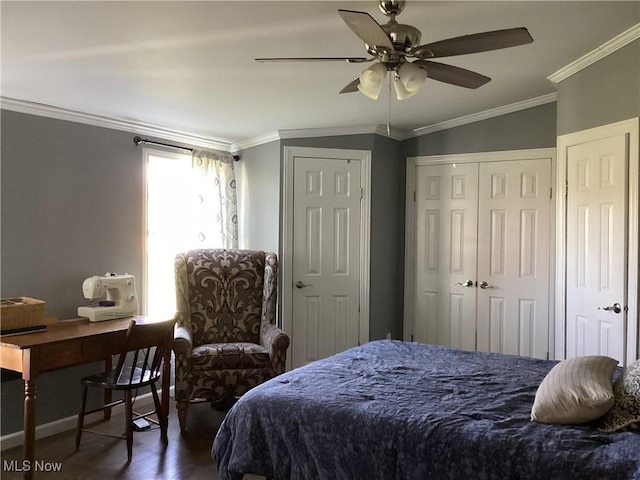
(182, 206)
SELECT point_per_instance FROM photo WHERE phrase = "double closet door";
(482, 242)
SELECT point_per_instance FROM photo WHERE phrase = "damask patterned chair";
(226, 341)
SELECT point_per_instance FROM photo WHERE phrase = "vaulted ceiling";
(189, 66)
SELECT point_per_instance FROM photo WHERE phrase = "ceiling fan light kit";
(392, 44)
(371, 80)
(411, 77)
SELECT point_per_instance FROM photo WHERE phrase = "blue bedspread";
(395, 410)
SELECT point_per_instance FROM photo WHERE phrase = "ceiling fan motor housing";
(403, 37)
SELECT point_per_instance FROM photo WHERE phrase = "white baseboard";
(69, 423)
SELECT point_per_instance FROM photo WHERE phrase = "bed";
(403, 410)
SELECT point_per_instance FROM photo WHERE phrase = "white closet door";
(596, 247)
(513, 261)
(446, 214)
(482, 246)
(326, 260)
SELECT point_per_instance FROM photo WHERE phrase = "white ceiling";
(189, 66)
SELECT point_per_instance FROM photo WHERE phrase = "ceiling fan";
(392, 44)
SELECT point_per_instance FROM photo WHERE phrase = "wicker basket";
(20, 312)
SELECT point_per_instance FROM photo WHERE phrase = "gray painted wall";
(606, 92)
(530, 128)
(387, 225)
(258, 181)
(71, 208)
(259, 187)
(387, 238)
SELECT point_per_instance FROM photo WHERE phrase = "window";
(181, 210)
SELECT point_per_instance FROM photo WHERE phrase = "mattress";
(401, 410)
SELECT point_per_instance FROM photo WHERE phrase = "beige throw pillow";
(576, 390)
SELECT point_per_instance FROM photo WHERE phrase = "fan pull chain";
(389, 111)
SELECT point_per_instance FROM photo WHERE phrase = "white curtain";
(217, 171)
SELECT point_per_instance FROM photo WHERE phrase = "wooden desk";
(65, 343)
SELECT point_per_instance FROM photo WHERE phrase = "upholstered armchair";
(226, 340)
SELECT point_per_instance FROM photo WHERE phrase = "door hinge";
(361, 193)
(566, 189)
(551, 192)
(412, 337)
(414, 195)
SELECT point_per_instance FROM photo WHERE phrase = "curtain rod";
(138, 140)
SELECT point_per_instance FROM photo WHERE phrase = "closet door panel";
(596, 239)
(446, 215)
(513, 262)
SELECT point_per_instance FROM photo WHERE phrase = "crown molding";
(255, 141)
(39, 109)
(42, 110)
(599, 53)
(315, 133)
(338, 131)
(394, 134)
(476, 117)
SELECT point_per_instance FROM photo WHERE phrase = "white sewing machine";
(112, 296)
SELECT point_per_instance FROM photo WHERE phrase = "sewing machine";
(112, 296)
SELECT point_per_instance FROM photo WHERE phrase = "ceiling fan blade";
(475, 43)
(352, 87)
(314, 59)
(364, 26)
(452, 75)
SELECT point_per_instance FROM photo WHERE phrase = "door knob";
(485, 285)
(615, 308)
(299, 284)
(468, 283)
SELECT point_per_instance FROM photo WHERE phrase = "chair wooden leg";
(80, 424)
(129, 420)
(108, 394)
(162, 418)
(182, 407)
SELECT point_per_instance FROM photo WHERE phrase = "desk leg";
(30, 370)
(29, 449)
(166, 382)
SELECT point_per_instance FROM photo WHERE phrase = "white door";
(326, 258)
(482, 249)
(596, 256)
(446, 216)
(514, 243)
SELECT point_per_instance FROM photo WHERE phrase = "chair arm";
(277, 342)
(182, 346)
(182, 342)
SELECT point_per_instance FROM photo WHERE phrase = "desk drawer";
(62, 354)
(80, 350)
(107, 346)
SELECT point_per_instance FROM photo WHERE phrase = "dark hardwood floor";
(186, 456)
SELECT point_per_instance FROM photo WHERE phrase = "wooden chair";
(139, 365)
